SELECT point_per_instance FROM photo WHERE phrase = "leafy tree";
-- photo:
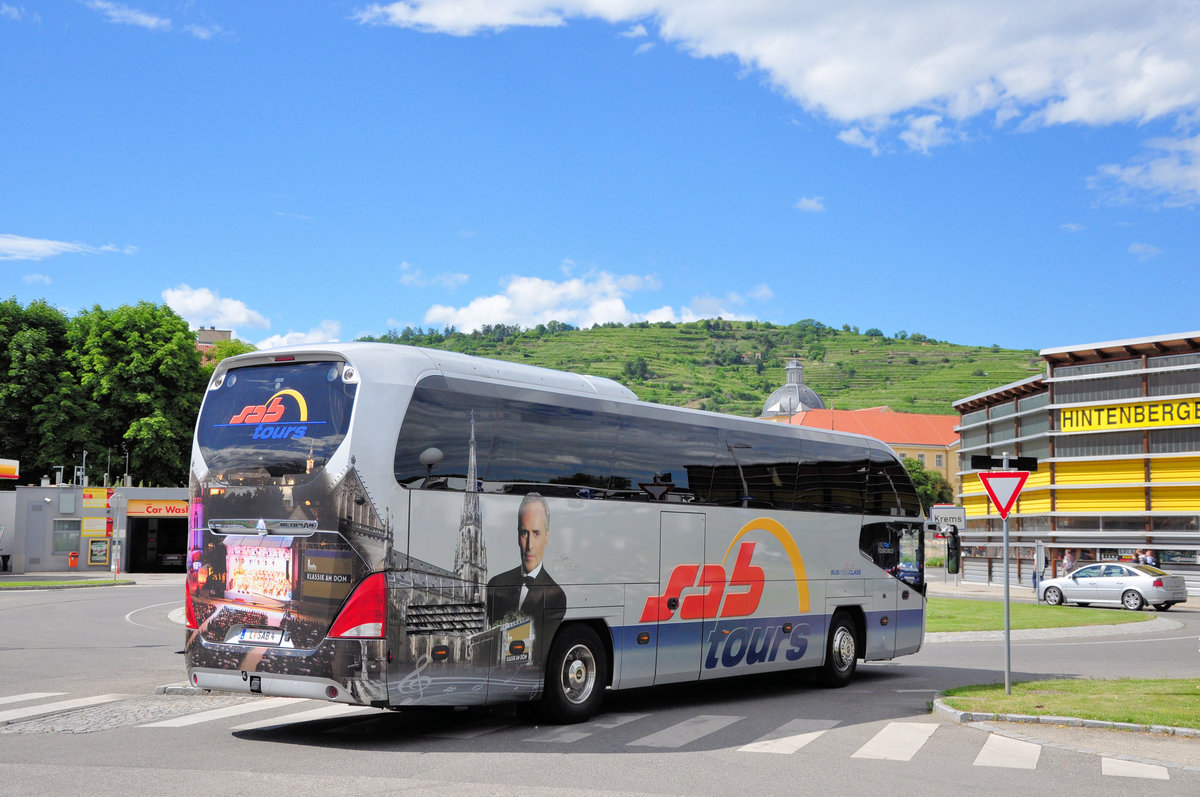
(932, 487)
(42, 409)
(140, 365)
(222, 349)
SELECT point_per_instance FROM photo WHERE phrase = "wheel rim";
(1133, 600)
(1053, 596)
(578, 674)
(843, 649)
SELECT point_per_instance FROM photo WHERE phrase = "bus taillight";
(191, 611)
(365, 613)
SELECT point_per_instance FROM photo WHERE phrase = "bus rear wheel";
(576, 676)
(841, 652)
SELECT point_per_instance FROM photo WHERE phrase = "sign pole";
(1007, 612)
(1002, 488)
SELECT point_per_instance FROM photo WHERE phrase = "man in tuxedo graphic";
(528, 590)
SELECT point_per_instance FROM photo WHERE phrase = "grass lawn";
(963, 614)
(70, 582)
(1173, 703)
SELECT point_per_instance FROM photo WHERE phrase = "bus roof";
(408, 364)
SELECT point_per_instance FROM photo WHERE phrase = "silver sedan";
(1131, 586)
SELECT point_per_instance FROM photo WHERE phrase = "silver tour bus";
(392, 526)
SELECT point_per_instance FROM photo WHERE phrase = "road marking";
(62, 705)
(1132, 769)
(789, 737)
(574, 733)
(324, 712)
(685, 732)
(222, 713)
(1001, 751)
(28, 696)
(898, 741)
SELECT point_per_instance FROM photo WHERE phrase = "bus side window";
(880, 542)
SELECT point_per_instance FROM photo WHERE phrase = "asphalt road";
(772, 734)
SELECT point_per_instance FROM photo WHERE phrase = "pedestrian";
(1150, 559)
(1068, 561)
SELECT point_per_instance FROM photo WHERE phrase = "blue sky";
(1003, 171)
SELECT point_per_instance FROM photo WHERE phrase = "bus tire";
(841, 652)
(576, 676)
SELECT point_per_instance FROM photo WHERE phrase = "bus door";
(881, 542)
(910, 609)
(681, 564)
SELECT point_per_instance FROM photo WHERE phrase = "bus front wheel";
(576, 675)
(841, 653)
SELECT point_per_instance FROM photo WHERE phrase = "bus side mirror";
(953, 553)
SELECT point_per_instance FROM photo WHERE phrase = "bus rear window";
(271, 422)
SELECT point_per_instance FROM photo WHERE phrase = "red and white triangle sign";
(1003, 487)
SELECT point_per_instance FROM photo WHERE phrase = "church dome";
(793, 397)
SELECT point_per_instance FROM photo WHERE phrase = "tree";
(225, 348)
(42, 409)
(932, 487)
(140, 366)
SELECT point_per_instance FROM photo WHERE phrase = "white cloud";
(415, 278)
(924, 132)
(919, 70)
(202, 307)
(30, 279)
(1171, 172)
(461, 17)
(855, 137)
(17, 247)
(594, 298)
(1072, 227)
(811, 204)
(124, 15)
(638, 31)
(1144, 251)
(325, 332)
(15, 13)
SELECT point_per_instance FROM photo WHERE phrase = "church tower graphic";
(470, 558)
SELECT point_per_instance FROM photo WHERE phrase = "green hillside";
(733, 366)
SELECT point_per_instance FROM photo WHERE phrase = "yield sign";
(1003, 487)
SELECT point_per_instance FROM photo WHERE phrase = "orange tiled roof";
(882, 423)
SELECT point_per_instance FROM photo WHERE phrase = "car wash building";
(67, 528)
(1115, 428)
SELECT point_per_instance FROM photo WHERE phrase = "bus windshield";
(262, 423)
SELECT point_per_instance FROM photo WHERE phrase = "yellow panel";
(1185, 499)
(976, 506)
(1175, 470)
(1038, 478)
(1102, 472)
(1037, 502)
(1100, 501)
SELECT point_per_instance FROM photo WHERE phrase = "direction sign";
(1003, 487)
(950, 514)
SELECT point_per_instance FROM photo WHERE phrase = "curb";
(180, 689)
(940, 709)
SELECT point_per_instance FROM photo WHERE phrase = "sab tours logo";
(720, 595)
(268, 418)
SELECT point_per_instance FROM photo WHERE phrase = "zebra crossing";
(897, 740)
